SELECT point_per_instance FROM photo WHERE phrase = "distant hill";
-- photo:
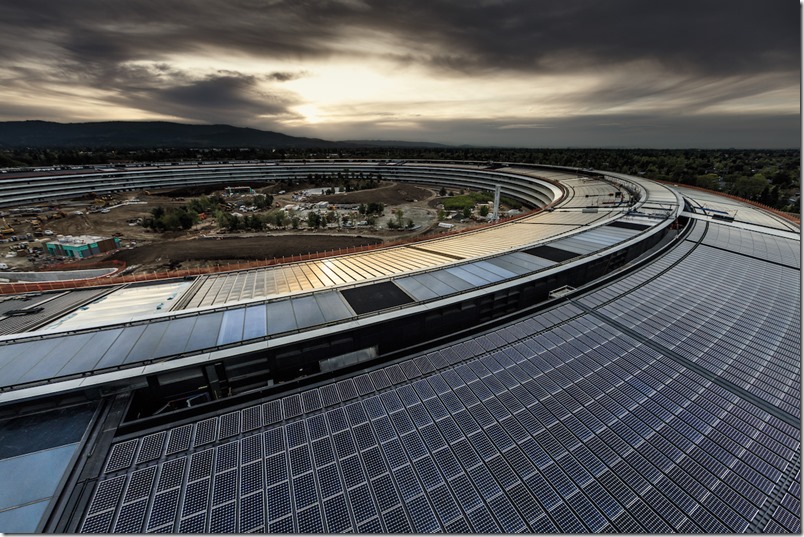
(392, 143)
(145, 134)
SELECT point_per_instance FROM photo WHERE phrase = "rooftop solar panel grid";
(645, 431)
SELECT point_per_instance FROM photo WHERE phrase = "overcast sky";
(527, 73)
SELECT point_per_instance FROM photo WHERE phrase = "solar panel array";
(742, 326)
(53, 304)
(761, 245)
(577, 419)
(787, 516)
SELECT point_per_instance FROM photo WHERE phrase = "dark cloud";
(690, 54)
(223, 98)
(284, 76)
(698, 36)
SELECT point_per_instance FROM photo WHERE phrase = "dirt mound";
(236, 248)
(395, 194)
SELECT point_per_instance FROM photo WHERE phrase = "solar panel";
(151, 447)
(272, 412)
(356, 414)
(251, 478)
(384, 429)
(224, 487)
(427, 472)
(364, 436)
(252, 418)
(131, 517)
(196, 497)
(296, 434)
(344, 444)
(304, 491)
(396, 521)
(484, 481)
(106, 495)
(252, 512)
(395, 374)
(524, 502)
(410, 370)
(352, 471)
(482, 521)
(336, 419)
(509, 518)
(385, 493)
(140, 484)
(337, 515)
(402, 422)
(122, 455)
(599, 433)
(163, 510)
(278, 498)
(380, 379)
(372, 526)
(362, 504)
(300, 461)
(566, 520)
(283, 525)
(100, 523)
(419, 415)
(363, 385)
(310, 520)
(171, 474)
(291, 406)
(329, 395)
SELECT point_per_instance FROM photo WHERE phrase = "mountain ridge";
(152, 134)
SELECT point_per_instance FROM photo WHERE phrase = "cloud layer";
(422, 69)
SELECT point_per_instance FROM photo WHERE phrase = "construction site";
(307, 220)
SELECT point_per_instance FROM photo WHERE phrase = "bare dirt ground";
(218, 251)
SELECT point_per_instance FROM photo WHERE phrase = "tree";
(281, 219)
(710, 181)
(750, 187)
(484, 211)
(186, 219)
(399, 214)
(294, 222)
(313, 220)
(467, 212)
(234, 223)
(261, 201)
(375, 207)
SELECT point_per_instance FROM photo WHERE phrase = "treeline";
(182, 218)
